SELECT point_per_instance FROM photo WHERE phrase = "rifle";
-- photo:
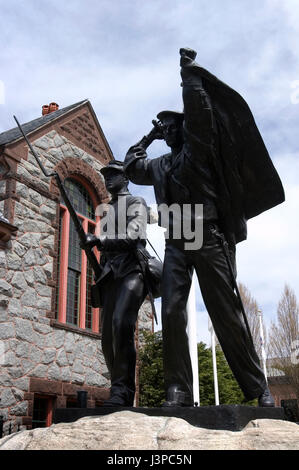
(78, 226)
(146, 140)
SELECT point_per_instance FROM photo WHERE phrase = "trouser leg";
(176, 282)
(129, 296)
(225, 313)
(109, 286)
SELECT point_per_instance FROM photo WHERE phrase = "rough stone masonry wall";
(29, 345)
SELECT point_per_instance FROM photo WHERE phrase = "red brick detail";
(280, 391)
(61, 402)
(28, 396)
(81, 129)
(61, 391)
(73, 328)
(45, 386)
(74, 167)
(27, 421)
(30, 408)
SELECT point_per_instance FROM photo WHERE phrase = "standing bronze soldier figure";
(217, 159)
(121, 286)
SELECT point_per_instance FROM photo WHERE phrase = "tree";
(229, 390)
(284, 338)
(151, 381)
(252, 310)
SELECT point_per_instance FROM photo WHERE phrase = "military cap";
(113, 165)
(175, 114)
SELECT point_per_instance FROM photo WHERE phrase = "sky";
(123, 55)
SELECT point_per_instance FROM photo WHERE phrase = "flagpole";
(213, 347)
(192, 337)
(259, 312)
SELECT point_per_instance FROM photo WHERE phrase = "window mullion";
(82, 314)
(96, 311)
(64, 266)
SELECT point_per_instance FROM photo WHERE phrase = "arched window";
(75, 275)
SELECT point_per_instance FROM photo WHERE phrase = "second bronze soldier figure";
(121, 285)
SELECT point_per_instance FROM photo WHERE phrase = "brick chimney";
(49, 108)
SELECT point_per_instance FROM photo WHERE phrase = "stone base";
(222, 417)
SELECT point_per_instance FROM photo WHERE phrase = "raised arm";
(199, 123)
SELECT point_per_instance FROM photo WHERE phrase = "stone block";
(19, 281)
(19, 249)
(30, 258)
(5, 288)
(2, 259)
(5, 379)
(70, 342)
(66, 374)
(15, 372)
(39, 275)
(29, 298)
(48, 243)
(27, 367)
(48, 270)
(94, 379)
(59, 336)
(42, 328)
(22, 384)
(78, 366)
(20, 409)
(19, 394)
(30, 313)
(43, 291)
(24, 330)
(7, 398)
(7, 330)
(62, 358)
(15, 307)
(23, 349)
(39, 371)
(29, 276)
(22, 190)
(58, 140)
(78, 379)
(48, 356)
(35, 198)
(30, 240)
(43, 143)
(35, 354)
(53, 372)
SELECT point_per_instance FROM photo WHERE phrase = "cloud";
(123, 56)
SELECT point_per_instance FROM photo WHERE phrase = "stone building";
(283, 390)
(49, 334)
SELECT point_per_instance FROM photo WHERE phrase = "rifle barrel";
(33, 151)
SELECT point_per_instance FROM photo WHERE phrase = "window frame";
(49, 399)
(63, 266)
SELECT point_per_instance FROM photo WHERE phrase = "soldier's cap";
(179, 117)
(113, 165)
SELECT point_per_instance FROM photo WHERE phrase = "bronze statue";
(121, 287)
(218, 160)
